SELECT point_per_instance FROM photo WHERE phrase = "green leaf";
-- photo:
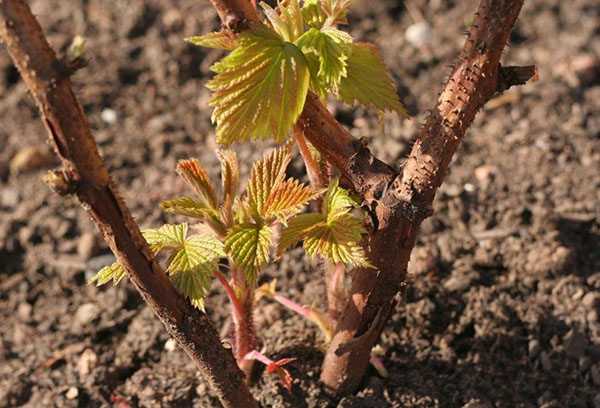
(288, 198)
(331, 48)
(217, 39)
(248, 245)
(296, 229)
(167, 236)
(196, 177)
(187, 206)
(334, 234)
(312, 14)
(260, 88)
(115, 272)
(193, 264)
(266, 174)
(335, 10)
(368, 81)
(288, 21)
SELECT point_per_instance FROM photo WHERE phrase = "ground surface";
(503, 309)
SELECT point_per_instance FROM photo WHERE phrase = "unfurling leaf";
(168, 236)
(192, 266)
(267, 173)
(336, 10)
(288, 198)
(189, 207)
(368, 81)
(260, 88)
(230, 174)
(248, 245)
(196, 177)
(312, 14)
(334, 234)
(284, 375)
(115, 272)
(331, 48)
(288, 21)
(217, 39)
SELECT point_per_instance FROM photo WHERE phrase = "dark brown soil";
(503, 309)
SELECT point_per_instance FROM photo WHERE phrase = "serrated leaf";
(230, 173)
(336, 201)
(248, 245)
(368, 81)
(196, 177)
(288, 198)
(331, 241)
(288, 21)
(167, 236)
(193, 264)
(312, 14)
(260, 88)
(187, 206)
(115, 272)
(331, 48)
(219, 40)
(296, 230)
(266, 174)
(336, 11)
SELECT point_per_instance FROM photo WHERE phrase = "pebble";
(461, 282)
(109, 116)
(170, 345)
(86, 363)
(534, 348)
(9, 197)
(546, 361)
(29, 159)
(86, 246)
(591, 300)
(24, 311)
(72, 393)
(596, 401)
(419, 34)
(575, 344)
(87, 313)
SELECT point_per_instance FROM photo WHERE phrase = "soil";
(503, 305)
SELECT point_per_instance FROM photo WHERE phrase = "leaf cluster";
(261, 86)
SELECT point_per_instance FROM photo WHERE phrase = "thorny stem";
(85, 175)
(243, 332)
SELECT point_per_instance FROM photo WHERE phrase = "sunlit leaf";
(167, 236)
(193, 264)
(331, 47)
(217, 39)
(248, 245)
(115, 272)
(296, 229)
(312, 14)
(260, 88)
(286, 20)
(368, 81)
(196, 177)
(335, 10)
(266, 174)
(288, 198)
(230, 173)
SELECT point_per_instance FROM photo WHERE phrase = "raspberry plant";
(259, 92)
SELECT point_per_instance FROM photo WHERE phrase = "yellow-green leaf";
(230, 174)
(312, 14)
(260, 88)
(332, 241)
(288, 198)
(287, 20)
(248, 245)
(296, 229)
(217, 39)
(196, 177)
(267, 173)
(115, 272)
(368, 81)
(167, 236)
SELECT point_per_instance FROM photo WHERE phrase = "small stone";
(72, 393)
(476, 403)
(595, 373)
(87, 362)
(469, 188)
(9, 197)
(596, 401)
(24, 311)
(29, 159)
(546, 361)
(483, 174)
(591, 300)
(575, 344)
(86, 246)
(201, 389)
(87, 313)
(170, 345)
(109, 116)
(460, 283)
(419, 34)
(534, 348)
